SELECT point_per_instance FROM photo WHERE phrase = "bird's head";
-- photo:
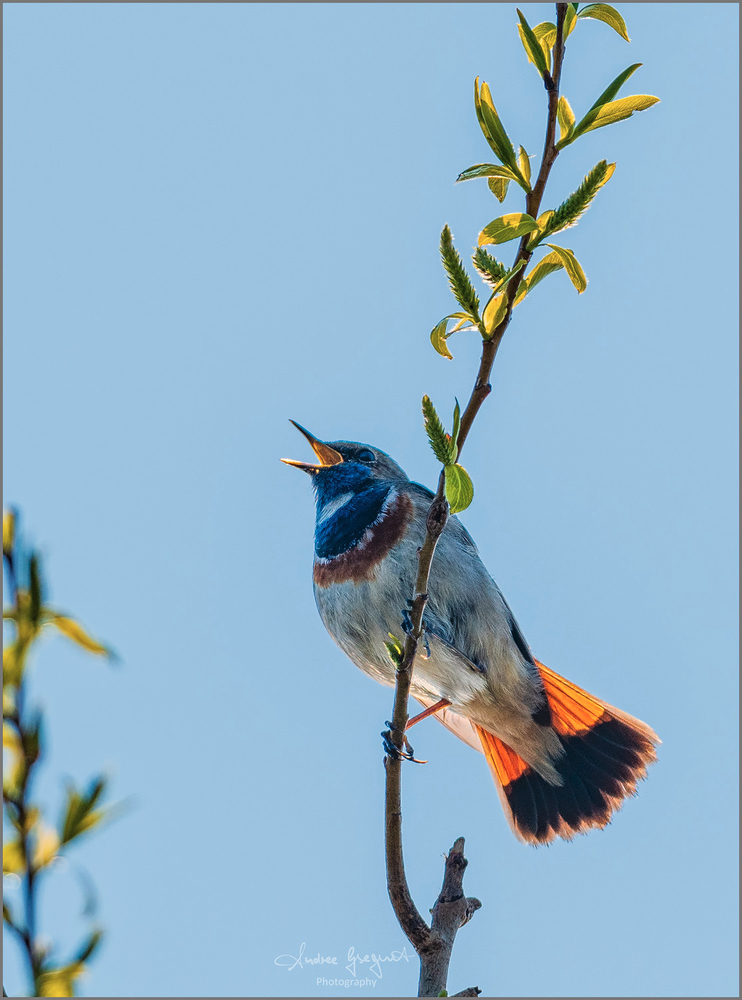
(346, 467)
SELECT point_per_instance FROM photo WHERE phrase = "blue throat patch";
(345, 528)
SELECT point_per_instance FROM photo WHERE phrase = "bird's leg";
(443, 703)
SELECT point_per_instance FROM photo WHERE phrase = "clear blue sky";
(220, 216)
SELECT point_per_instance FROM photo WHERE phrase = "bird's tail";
(606, 752)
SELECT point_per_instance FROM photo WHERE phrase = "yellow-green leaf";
(507, 227)
(531, 44)
(60, 982)
(614, 111)
(485, 170)
(570, 20)
(566, 118)
(609, 15)
(494, 129)
(438, 339)
(546, 33)
(499, 187)
(13, 656)
(494, 313)
(47, 846)
(73, 630)
(13, 861)
(8, 531)
(458, 487)
(524, 163)
(548, 264)
(571, 266)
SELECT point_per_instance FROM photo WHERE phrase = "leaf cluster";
(458, 485)
(34, 844)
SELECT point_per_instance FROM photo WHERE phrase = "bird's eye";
(366, 455)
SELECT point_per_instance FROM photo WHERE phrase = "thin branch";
(432, 944)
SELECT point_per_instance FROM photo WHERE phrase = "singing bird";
(562, 759)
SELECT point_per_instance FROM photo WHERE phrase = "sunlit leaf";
(60, 982)
(485, 170)
(547, 265)
(566, 118)
(14, 862)
(8, 531)
(609, 15)
(438, 334)
(614, 111)
(531, 44)
(507, 227)
(613, 88)
(499, 187)
(494, 313)
(73, 630)
(494, 131)
(46, 847)
(79, 815)
(571, 266)
(524, 163)
(546, 33)
(458, 487)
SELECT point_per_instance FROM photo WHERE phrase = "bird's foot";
(391, 749)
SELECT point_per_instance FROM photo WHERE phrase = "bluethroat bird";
(562, 759)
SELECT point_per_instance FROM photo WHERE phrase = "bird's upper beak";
(325, 454)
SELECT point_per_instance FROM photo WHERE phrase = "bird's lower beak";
(325, 454)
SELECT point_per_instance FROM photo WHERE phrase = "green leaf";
(458, 487)
(507, 227)
(566, 118)
(569, 22)
(438, 335)
(609, 15)
(614, 111)
(9, 519)
(499, 187)
(14, 862)
(438, 339)
(80, 815)
(494, 313)
(486, 170)
(74, 631)
(456, 426)
(571, 266)
(613, 88)
(489, 268)
(524, 163)
(546, 34)
(547, 265)
(89, 946)
(494, 131)
(531, 44)
(60, 982)
(441, 443)
(458, 279)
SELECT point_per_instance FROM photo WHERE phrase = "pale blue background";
(220, 216)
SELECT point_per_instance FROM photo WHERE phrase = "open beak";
(325, 454)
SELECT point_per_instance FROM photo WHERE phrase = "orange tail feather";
(606, 752)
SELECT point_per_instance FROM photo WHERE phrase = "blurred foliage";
(32, 844)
